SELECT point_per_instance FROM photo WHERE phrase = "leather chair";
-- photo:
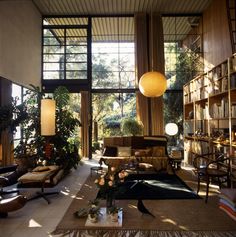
(11, 204)
(209, 169)
(10, 177)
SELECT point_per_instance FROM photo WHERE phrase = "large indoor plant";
(65, 152)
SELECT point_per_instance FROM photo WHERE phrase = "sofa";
(151, 152)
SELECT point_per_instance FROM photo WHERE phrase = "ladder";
(231, 13)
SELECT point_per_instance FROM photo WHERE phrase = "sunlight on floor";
(33, 224)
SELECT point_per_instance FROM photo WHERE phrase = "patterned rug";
(183, 217)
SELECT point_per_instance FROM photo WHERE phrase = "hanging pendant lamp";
(153, 83)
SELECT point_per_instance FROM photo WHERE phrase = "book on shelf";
(233, 81)
(233, 110)
(233, 64)
(224, 69)
(224, 84)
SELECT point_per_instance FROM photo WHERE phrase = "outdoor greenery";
(132, 127)
(186, 67)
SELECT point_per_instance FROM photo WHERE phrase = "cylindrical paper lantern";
(48, 117)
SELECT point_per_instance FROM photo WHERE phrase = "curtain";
(158, 65)
(85, 121)
(141, 49)
(149, 55)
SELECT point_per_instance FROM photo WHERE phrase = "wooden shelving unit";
(210, 112)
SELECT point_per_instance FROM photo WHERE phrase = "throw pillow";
(41, 169)
(124, 151)
(143, 152)
(158, 151)
(110, 151)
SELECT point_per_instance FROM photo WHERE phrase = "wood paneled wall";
(216, 37)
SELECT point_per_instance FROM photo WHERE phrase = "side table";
(176, 162)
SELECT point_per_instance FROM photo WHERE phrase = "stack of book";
(227, 201)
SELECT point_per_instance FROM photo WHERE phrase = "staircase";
(231, 12)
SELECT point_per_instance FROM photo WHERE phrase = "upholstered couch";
(148, 149)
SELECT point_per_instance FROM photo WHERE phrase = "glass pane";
(16, 93)
(53, 57)
(53, 66)
(76, 75)
(17, 134)
(107, 116)
(53, 75)
(76, 57)
(76, 49)
(173, 113)
(76, 66)
(53, 49)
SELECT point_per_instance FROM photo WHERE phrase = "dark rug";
(152, 187)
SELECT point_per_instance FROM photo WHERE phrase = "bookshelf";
(210, 112)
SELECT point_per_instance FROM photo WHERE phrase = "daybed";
(147, 149)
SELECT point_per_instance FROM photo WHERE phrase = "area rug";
(175, 217)
(156, 186)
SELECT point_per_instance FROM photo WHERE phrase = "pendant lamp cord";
(151, 40)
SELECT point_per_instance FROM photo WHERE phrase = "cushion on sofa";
(124, 151)
(110, 151)
(142, 152)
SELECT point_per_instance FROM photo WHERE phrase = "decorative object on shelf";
(109, 183)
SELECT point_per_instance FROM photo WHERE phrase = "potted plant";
(93, 213)
(113, 213)
(131, 126)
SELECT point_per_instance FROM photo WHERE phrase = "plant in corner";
(66, 150)
(131, 126)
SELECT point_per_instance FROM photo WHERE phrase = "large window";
(183, 61)
(65, 48)
(113, 53)
(113, 69)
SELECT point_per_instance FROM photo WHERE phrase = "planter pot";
(93, 218)
(114, 217)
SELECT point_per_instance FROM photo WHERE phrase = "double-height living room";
(117, 118)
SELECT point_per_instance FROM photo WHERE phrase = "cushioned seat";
(11, 204)
(40, 175)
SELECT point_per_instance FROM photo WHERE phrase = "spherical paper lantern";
(171, 129)
(152, 84)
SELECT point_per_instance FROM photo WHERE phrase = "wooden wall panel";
(216, 36)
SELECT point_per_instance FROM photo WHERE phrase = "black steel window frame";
(73, 85)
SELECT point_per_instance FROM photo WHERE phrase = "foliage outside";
(132, 127)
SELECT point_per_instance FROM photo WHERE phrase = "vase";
(110, 199)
